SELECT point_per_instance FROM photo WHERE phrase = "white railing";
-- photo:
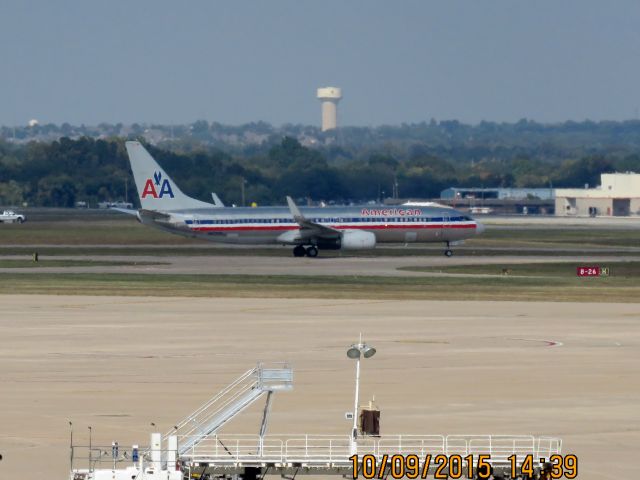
(203, 413)
(499, 447)
(332, 449)
(234, 398)
(420, 445)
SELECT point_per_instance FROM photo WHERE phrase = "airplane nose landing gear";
(448, 252)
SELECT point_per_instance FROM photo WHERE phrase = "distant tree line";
(60, 173)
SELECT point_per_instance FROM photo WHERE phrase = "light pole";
(356, 351)
(90, 448)
(70, 443)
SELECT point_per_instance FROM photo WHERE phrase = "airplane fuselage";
(266, 225)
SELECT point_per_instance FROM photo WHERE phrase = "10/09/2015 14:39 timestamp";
(457, 467)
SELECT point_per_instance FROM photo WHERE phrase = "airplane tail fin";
(156, 189)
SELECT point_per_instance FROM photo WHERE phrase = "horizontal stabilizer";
(128, 211)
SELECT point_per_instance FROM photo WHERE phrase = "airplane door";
(445, 228)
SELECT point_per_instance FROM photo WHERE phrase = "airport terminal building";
(618, 195)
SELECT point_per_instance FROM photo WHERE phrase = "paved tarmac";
(119, 363)
(262, 265)
(545, 221)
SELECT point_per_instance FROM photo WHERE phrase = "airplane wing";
(309, 229)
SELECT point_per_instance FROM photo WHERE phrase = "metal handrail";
(261, 378)
(189, 418)
(334, 451)
(196, 423)
(336, 448)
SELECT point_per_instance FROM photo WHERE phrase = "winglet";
(295, 211)
(216, 200)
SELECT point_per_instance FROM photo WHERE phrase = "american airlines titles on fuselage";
(308, 229)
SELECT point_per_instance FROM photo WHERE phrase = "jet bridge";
(194, 449)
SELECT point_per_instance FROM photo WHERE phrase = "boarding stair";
(232, 400)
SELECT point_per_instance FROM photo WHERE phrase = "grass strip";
(612, 289)
(24, 263)
(628, 272)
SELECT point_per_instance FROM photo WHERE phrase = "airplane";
(308, 230)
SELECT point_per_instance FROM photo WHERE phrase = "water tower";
(329, 96)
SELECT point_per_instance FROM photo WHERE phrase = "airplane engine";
(357, 239)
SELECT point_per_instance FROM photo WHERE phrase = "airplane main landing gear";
(310, 252)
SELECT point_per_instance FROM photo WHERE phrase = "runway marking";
(549, 343)
(322, 305)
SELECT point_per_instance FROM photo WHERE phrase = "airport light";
(90, 447)
(355, 352)
(70, 443)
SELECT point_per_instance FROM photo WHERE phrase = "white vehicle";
(9, 216)
(480, 210)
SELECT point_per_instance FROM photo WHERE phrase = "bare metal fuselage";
(268, 225)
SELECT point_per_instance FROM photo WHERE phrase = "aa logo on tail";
(164, 188)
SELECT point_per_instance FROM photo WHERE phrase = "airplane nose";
(479, 228)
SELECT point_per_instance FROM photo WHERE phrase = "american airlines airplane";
(308, 230)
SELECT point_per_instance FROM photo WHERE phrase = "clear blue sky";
(240, 61)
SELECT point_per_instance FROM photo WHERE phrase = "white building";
(618, 195)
